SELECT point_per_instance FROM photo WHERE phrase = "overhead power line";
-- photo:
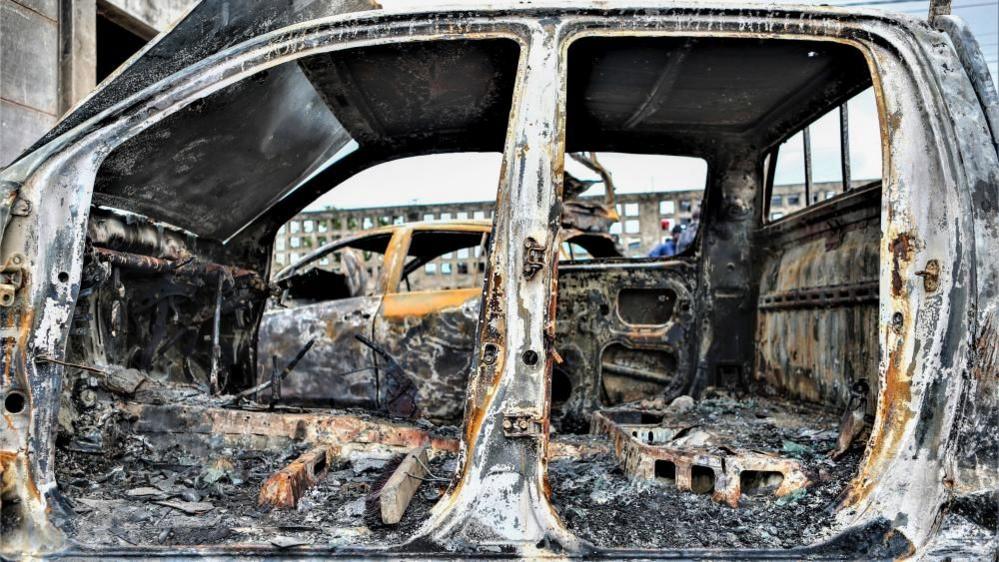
(881, 2)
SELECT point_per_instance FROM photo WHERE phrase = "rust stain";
(894, 403)
(902, 250)
(7, 473)
(422, 303)
(16, 474)
(285, 487)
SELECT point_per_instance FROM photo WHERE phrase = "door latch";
(11, 279)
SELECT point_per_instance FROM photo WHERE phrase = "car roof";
(211, 26)
(455, 226)
(217, 146)
(600, 244)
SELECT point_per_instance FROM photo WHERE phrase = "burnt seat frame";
(940, 174)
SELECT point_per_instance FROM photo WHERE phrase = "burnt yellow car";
(390, 314)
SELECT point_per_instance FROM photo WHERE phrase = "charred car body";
(356, 313)
(137, 237)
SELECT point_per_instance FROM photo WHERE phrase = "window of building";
(117, 38)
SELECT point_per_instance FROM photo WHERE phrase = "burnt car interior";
(338, 272)
(175, 429)
(426, 246)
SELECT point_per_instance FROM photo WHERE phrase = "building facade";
(638, 231)
(55, 52)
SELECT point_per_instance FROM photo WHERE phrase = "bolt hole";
(665, 472)
(14, 402)
(63, 277)
(702, 479)
(530, 357)
(604, 309)
(760, 482)
(489, 353)
(897, 320)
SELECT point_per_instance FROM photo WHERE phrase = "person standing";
(667, 247)
(687, 236)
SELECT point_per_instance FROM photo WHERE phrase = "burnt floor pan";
(194, 477)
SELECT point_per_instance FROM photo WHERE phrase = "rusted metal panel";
(430, 335)
(816, 333)
(339, 370)
(263, 430)
(590, 328)
(285, 487)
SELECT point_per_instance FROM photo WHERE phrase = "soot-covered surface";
(145, 495)
(603, 505)
(120, 502)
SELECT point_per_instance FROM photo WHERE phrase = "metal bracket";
(534, 257)
(20, 208)
(931, 276)
(11, 279)
(521, 424)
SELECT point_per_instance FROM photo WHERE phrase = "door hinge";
(534, 257)
(521, 423)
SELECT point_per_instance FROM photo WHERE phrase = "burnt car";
(396, 293)
(820, 384)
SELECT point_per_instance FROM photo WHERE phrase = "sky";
(448, 178)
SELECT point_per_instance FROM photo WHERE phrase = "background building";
(638, 231)
(54, 52)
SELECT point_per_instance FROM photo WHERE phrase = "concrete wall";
(157, 14)
(48, 58)
(29, 73)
